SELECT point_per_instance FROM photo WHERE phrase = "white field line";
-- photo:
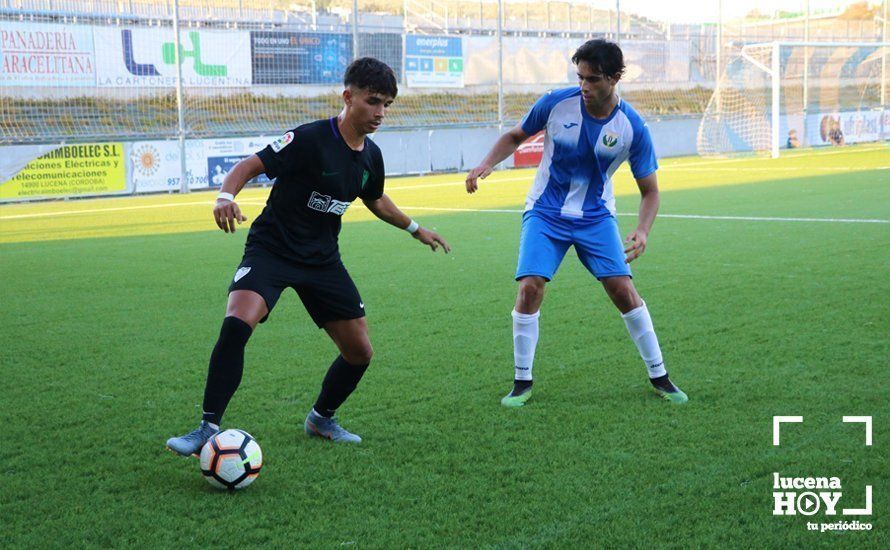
(673, 216)
(483, 210)
(803, 154)
(777, 169)
(691, 167)
(101, 210)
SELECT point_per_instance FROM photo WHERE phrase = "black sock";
(520, 386)
(663, 383)
(226, 367)
(340, 381)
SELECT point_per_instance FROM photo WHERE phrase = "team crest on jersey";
(365, 175)
(609, 139)
(282, 142)
(324, 203)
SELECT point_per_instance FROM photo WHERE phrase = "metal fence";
(115, 74)
(127, 71)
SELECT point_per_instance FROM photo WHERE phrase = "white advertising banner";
(145, 57)
(847, 127)
(221, 155)
(155, 165)
(13, 159)
(35, 54)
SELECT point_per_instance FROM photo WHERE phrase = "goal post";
(779, 95)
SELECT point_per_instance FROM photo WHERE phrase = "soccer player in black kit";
(319, 169)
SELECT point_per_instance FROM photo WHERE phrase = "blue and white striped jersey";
(581, 153)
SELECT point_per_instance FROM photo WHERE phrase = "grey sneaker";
(191, 443)
(328, 428)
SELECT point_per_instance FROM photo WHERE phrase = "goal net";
(783, 95)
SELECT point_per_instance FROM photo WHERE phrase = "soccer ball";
(231, 460)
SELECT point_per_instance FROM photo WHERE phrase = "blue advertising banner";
(219, 167)
(434, 61)
(299, 58)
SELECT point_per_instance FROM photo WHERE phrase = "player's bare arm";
(387, 211)
(636, 241)
(226, 211)
(503, 148)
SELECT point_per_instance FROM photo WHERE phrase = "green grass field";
(110, 309)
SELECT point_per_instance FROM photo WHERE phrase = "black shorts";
(328, 292)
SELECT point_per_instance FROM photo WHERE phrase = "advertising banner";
(530, 152)
(299, 58)
(14, 158)
(145, 57)
(70, 170)
(155, 165)
(37, 54)
(434, 61)
(221, 155)
(842, 128)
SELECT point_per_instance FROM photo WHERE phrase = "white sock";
(525, 340)
(639, 325)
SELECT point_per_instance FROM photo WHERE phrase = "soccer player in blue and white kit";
(589, 132)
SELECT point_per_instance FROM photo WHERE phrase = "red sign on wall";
(530, 152)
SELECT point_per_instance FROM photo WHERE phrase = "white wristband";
(412, 227)
(226, 196)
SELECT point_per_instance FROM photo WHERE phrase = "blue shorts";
(545, 238)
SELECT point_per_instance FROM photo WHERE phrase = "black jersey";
(316, 176)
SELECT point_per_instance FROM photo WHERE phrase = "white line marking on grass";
(775, 169)
(674, 216)
(802, 154)
(450, 183)
(766, 219)
(437, 209)
(210, 202)
(99, 210)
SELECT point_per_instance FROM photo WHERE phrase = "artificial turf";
(109, 317)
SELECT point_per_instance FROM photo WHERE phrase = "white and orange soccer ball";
(231, 460)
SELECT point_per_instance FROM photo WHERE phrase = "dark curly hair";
(371, 74)
(603, 55)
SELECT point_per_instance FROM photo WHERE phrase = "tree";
(859, 11)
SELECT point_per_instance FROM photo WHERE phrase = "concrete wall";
(425, 151)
